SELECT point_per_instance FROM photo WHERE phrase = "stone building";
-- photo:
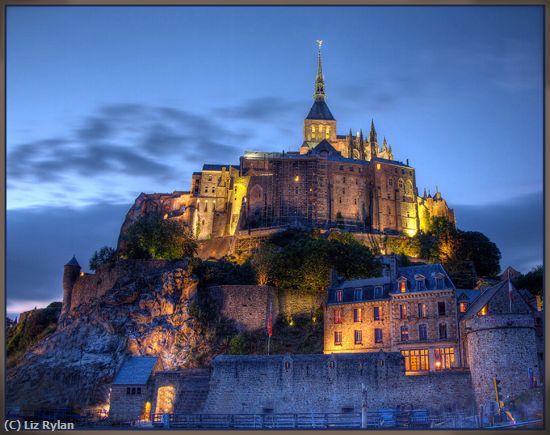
(345, 180)
(412, 310)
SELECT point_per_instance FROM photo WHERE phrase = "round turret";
(71, 272)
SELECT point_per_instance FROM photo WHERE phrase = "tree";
(262, 262)
(153, 237)
(105, 255)
(476, 247)
(532, 281)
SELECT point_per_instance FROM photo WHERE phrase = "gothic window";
(404, 333)
(401, 184)
(313, 132)
(441, 308)
(338, 338)
(422, 332)
(378, 335)
(357, 315)
(358, 337)
(206, 206)
(442, 331)
(327, 133)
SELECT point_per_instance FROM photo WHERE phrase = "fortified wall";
(330, 383)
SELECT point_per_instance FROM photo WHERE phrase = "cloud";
(124, 141)
(516, 226)
(264, 109)
(33, 277)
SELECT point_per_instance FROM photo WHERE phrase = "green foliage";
(153, 237)
(39, 324)
(105, 255)
(219, 272)
(532, 281)
(238, 345)
(476, 247)
(301, 261)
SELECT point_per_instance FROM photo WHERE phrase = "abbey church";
(348, 181)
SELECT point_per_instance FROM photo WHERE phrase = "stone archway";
(165, 400)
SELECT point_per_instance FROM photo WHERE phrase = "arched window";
(327, 132)
(401, 184)
(313, 132)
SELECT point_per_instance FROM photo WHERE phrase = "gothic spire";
(385, 144)
(319, 94)
(372, 134)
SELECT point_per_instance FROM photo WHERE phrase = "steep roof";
(428, 271)
(509, 272)
(325, 146)
(73, 262)
(469, 295)
(320, 111)
(136, 370)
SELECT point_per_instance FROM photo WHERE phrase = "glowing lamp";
(297, 178)
(438, 364)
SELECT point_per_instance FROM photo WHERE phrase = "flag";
(510, 290)
(270, 321)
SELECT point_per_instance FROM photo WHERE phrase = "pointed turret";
(385, 144)
(372, 134)
(424, 196)
(319, 94)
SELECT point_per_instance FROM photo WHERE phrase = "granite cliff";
(145, 314)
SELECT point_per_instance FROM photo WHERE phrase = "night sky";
(106, 102)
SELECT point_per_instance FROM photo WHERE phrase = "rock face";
(139, 315)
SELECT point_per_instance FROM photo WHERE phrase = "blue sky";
(106, 102)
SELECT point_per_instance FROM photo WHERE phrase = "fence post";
(364, 407)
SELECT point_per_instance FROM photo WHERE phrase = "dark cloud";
(264, 109)
(129, 139)
(516, 226)
(32, 275)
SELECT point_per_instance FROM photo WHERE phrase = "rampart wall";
(330, 383)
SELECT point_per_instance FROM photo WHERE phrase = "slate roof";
(320, 110)
(469, 295)
(393, 162)
(73, 262)
(325, 146)
(213, 167)
(135, 370)
(428, 271)
(509, 272)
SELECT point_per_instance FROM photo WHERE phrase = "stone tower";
(71, 272)
(319, 123)
(501, 341)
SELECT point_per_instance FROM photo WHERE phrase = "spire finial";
(319, 94)
(372, 134)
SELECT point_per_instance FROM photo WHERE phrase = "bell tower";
(319, 123)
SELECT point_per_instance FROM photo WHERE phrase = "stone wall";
(503, 346)
(330, 383)
(128, 407)
(247, 305)
(93, 286)
(191, 389)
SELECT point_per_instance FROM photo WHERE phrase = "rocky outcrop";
(140, 315)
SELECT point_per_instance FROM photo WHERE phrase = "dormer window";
(358, 294)
(378, 292)
(402, 283)
(420, 283)
(463, 307)
(339, 295)
(439, 281)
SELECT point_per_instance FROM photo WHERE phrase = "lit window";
(484, 311)
(357, 315)
(402, 311)
(338, 316)
(297, 178)
(358, 294)
(441, 308)
(444, 358)
(377, 313)
(339, 295)
(338, 338)
(422, 311)
(378, 166)
(404, 333)
(327, 133)
(402, 286)
(463, 306)
(442, 331)
(377, 335)
(422, 332)
(358, 337)
(416, 360)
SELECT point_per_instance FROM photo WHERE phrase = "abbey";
(351, 181)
